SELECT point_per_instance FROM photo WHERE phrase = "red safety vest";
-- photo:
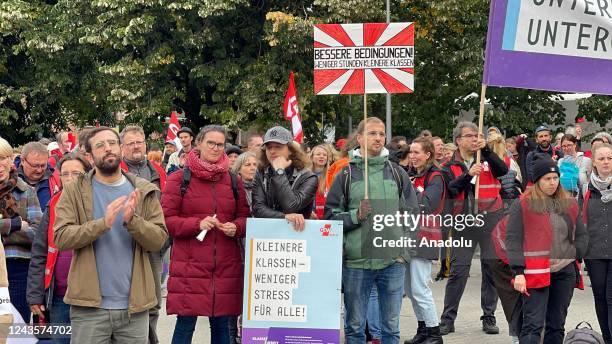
(488, 194)
(538, 237)
(158, 168)
(52, 251)
(430, 228)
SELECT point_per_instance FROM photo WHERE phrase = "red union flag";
(364, 58)
(292, 110)
(173, 128)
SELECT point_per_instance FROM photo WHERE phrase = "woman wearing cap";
(598, 218)
(544, 238)
(284, 186)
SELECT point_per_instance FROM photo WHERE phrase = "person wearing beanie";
(543, 139)
(185, 134)
(545, 239)
(232, 153)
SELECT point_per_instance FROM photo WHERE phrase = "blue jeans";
(60, 315)
(374, 314)
(419, 292)
(185, 326)
(357, 289)
(17, 271)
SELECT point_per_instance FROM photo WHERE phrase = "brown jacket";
(76, 229)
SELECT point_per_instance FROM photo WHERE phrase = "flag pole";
(365, 143)
(483, 92)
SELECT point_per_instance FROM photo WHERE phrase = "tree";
(228, 62)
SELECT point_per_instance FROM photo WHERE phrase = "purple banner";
(278, 335)
(563, 46)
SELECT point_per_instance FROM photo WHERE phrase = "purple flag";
(555, 45)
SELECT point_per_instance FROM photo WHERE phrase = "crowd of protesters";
(89, 220)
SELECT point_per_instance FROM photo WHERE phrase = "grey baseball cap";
(278, 134)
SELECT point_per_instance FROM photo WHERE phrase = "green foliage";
(82, 61)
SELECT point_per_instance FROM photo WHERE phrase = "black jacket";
(515, 237)
(599, 226)
(538, 150)
(462, 183)
(276, 195)
(35, 291)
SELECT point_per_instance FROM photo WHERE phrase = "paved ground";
(468, 326)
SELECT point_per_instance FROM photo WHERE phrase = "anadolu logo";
(327, 231)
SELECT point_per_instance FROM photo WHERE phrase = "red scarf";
(205, 170)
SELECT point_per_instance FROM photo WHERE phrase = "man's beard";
(107, 168)
(545, 144)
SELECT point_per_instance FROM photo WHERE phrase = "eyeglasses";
(469, 136)
(567, 146)
(74, 174)
(134, 144)
(376, 133)
(102, 144)
(36, 166)
(212, 145)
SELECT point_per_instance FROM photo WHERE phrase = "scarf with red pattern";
(205, 170)
(8, 205)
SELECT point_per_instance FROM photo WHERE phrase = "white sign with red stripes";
(364, 58)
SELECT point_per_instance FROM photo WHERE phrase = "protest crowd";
(98, 227)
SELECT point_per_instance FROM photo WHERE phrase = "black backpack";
(187, 180)
(583, 335)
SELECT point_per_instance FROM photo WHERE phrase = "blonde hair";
(329, 161)
(497, 144)
(597, 148)
(5, 148)
(539, 202)
(298, 157)
(241, 160)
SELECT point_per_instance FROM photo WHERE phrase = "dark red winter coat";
(205, 277)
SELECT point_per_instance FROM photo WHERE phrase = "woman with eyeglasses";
(19, 217)
(575, 168)
(206, 209)
(48, 273)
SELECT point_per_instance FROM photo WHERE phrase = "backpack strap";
(186, 180)
(398, 178)
(234, 185)
(585, 206)
(346, 182)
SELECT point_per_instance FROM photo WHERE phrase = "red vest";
(488, 194)
(537, 241)
(158, 168)
(320, 205)
(430, 229)
(52, 251)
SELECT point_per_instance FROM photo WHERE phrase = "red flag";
(173, 128)
(292, 111)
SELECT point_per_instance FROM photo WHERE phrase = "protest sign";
(364, 58)
(292, 282)
(557, 45)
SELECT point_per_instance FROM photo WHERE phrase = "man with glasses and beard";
(111, 220)
(543, 139)
(35, 171)
(134, 160)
